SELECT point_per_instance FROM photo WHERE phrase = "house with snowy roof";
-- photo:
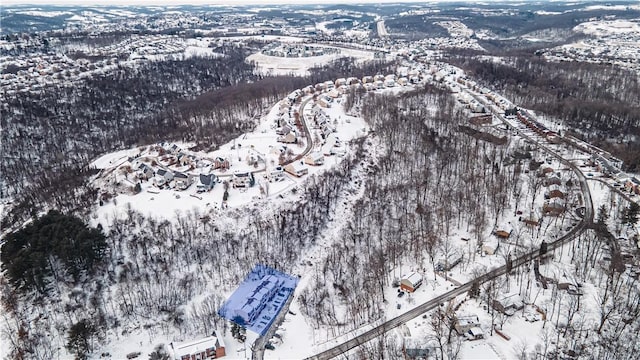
(508, 304)
(554, 191)
(162, 177)
(289, 138)
(411, 282)
(182, 181)
(211, 347)
(554, 207)
(144, 172)
(206, 182)
(465, 323)
(314, 158)
(296, 168)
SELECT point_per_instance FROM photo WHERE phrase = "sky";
(203, 2)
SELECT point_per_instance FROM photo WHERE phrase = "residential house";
(554, 192)
(545, 171)
(502, 234)
(182, 181)
(290, 138)
(367, 79)
(475, 333)
(533, 219)
(242, 179)
(329, 142)
(508, 304)
(145, 172)
(221, 163)
(633, 185)
(389, 83)
(206, 182)
(276, 174)
(553, 180)
(314, 158)
(449, 263)
(465, 323)
(490, 246)
(353, 81)
(333, 93)
(163, 177)
(296, 168)
(554, 207)
(211, 347)
(411, 282)
(283, 130)
(174, 149)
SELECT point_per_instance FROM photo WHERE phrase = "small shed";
(411, 282)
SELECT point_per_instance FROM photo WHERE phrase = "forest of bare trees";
(596, 102)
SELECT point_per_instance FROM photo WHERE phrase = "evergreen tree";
(630, 214)
(27, 254)
(80, 338)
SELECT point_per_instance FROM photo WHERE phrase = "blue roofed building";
(259, 298)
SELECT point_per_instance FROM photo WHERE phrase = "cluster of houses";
(173, 168)
(555, 196)
(297, 50)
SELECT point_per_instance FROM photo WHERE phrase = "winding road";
(379, 330)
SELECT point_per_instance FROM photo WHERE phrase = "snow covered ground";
(300, 66)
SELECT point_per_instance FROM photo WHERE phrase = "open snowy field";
(300, 66)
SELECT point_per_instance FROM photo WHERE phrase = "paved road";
(257, 349)
(433, 303)
(307, 133)
(377, 331)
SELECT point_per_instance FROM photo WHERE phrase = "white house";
(211, 347)
(182, 181)
(276, 174)
(314, 158)
(163, 177)
(465, 323)
(296, 168)
(242, 179)
(290, 138)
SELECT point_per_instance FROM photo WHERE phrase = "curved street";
(379, 330)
